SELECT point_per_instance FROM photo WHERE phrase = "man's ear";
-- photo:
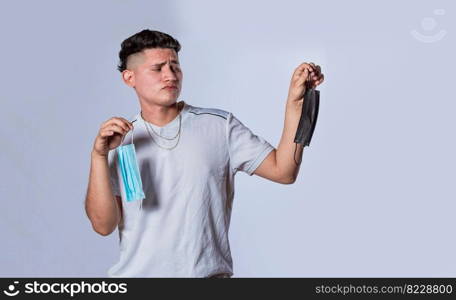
(128, 77)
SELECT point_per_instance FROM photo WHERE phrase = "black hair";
(145, 39)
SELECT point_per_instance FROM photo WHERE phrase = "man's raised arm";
(280, 165)
(102, 208)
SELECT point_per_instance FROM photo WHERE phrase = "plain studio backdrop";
(375, 194)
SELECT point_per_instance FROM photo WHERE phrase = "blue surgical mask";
(130, 172)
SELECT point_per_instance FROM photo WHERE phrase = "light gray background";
(375, 194)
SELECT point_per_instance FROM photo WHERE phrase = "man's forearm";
(101, 206)
(286, 150)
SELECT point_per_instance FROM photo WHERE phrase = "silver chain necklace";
(164, 137)
(177, 135)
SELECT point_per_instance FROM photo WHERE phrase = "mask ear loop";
(132, 135)
(133, 131)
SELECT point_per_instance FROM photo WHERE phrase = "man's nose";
(168, 73)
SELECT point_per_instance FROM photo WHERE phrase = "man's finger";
(120, 122)
(320, 80)
(304, 66)
(301, 77)
(316, 68)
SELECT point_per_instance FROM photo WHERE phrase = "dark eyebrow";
(163, 63)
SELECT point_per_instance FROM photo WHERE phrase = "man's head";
(149, 63)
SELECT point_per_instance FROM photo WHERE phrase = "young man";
(187, 157)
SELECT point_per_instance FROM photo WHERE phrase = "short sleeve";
(113, 175)
(247, 150)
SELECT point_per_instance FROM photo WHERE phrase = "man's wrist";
(96, 155)
(294, 106)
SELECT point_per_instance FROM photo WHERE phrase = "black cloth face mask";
(308, 119)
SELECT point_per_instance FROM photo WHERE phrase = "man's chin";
(163, 102)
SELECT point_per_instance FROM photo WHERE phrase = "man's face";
(151, 71)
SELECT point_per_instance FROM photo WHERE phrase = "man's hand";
(110, 135)
(306, 75)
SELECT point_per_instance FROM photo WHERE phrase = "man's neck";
(160, 115)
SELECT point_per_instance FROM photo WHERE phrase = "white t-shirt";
(181, 228)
